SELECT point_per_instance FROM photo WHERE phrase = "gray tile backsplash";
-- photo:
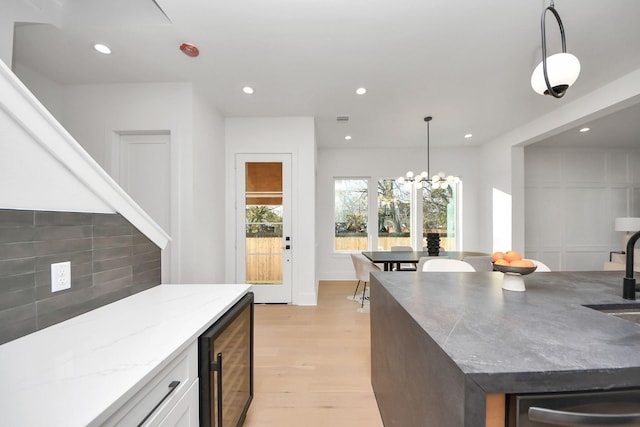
(110, 260)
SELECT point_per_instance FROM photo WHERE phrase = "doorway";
(141, 164)
(264, 245)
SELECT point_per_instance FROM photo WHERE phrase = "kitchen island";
(448, 348)
(98, 368)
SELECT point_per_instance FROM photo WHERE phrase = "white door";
(142, 167)
(264, 245)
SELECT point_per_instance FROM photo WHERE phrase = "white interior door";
(142, 167)
(264, 245)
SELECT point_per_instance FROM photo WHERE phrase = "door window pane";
(394, 207)
(263, 223)
(440, 215)
(351, 214)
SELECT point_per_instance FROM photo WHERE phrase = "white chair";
(542, 268)
(480, 262)
(404, 266)
(424, 259)
(446, 264)
(363, 268)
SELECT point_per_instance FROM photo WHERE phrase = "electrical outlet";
(60, 276)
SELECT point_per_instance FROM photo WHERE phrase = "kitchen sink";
(632, 314)
(629, 312)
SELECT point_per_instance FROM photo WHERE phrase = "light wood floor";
(312, 364)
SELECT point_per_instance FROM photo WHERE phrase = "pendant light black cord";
(551, 8)
(428, 177)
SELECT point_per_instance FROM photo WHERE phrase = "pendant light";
(555, 74)
(437, 181)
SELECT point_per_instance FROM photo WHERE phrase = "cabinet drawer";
(156, 399)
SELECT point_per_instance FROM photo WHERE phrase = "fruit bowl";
(512, 280)
(514, 270)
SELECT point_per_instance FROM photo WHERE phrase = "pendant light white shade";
(562, 69)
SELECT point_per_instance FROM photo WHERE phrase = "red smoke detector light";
(189, 50)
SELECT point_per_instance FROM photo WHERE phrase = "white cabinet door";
(156, 399)
(185, 413)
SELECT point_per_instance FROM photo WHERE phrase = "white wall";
(295, 135)
(31, 178)
(389, 163)
(502, 160)
(205, 261)
(573, 196)
(49, 93)
(23, 11)
(43, 167)
(94, 113)
(502, 168)
(6, 39)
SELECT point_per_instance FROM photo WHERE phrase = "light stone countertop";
(80, 371)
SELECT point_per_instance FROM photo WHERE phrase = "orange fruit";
(496, 256)
(512, 256)
(501, 261)
(521, 263)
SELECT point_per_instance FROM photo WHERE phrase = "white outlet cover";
(60, 276)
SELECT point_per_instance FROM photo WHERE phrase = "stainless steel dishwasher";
(606, 408)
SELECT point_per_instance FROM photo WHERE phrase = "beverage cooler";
(225, 364)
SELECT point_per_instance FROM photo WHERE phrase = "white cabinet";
(159, 397)
(114, 366)
(185, 412)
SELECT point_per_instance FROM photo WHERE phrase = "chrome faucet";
(629, 283)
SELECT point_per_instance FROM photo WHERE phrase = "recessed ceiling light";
(585, 130)
(348, 137)
(248, 90)
(469, 135)
(102, 48)
(361, 91)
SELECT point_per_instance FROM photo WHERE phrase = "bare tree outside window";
(264, 220)
(394, 214)
(351, 214)
(393, 228)
(439, 215)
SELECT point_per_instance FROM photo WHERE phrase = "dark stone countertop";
(543, 339)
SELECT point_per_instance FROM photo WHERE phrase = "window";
(351, 214)
(394, 214)
(440, 214)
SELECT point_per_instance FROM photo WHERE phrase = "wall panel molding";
(572, 197)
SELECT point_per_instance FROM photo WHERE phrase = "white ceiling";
(620, 130)
(467, 63)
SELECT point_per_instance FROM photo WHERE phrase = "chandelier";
(437, 181)
(554, 74)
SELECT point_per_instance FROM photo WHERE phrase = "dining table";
(389, 258)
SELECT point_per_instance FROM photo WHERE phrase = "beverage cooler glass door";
(226, 367)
